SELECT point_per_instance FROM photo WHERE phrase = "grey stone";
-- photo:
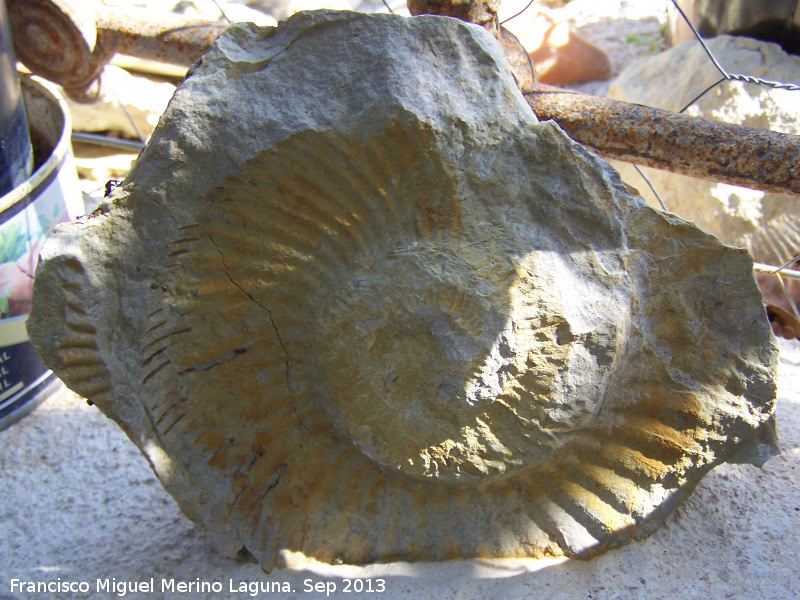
(355, 302)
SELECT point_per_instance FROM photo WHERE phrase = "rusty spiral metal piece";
(70, 41)
(57, 39)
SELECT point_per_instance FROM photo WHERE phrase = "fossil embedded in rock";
(354, 301)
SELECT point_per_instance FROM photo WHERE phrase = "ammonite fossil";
(355, 302)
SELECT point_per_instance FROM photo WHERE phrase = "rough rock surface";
(768, 225)
(353, 301)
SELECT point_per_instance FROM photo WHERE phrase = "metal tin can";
(27, 213)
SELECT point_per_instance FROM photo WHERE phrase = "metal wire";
(701, 40)
(778, 85)
(701, 94)
(786, 293)
(773, 270)
(104, 140)
(729, 76)
(127, 114)
(652, 189)
(221, 12)
(527, 6)
(786, 265)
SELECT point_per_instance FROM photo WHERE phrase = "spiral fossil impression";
(354, 301)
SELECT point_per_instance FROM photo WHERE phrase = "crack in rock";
(264, 308)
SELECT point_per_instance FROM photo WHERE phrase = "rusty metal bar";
(694, 146)
(170, 38)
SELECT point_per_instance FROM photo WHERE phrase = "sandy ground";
(78, 503)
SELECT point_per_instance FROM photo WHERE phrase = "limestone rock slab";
(355, 302)
(768, 225)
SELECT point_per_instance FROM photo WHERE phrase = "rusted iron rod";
(170, 38)
(735, 154)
